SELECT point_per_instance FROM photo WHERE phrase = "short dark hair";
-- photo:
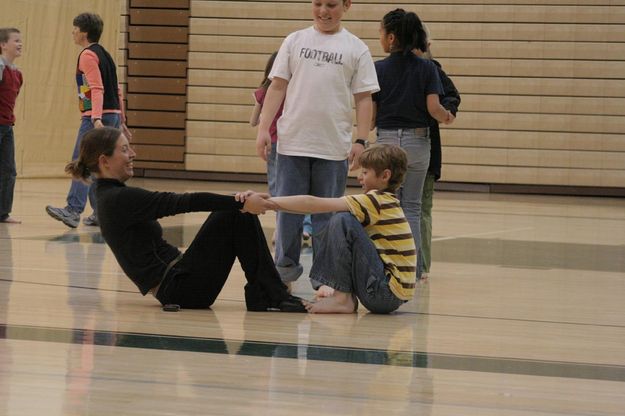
(91, 24)
(386, 156)
(5, 34)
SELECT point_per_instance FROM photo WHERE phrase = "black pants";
(196, 280)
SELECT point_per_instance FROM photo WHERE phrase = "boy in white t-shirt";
(324, 66)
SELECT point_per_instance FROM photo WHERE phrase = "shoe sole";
(70, 225)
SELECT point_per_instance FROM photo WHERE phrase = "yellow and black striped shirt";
(385, 223)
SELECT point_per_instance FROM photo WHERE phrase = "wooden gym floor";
(523, 314)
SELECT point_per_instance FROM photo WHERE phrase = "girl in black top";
(193, 279)
(408, 96)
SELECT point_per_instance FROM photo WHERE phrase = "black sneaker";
(291, 304)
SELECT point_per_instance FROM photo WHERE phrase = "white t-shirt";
(324, 72)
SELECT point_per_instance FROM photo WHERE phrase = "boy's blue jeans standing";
(77, 196)
(8, 172)
(348, 261)
(300, 175)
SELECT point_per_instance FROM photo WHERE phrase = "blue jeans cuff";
(322, 281)
(290, 273)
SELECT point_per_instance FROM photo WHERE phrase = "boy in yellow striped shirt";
(369, 252)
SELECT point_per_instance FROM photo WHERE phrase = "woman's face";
(120, 164)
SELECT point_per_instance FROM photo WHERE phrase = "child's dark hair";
(5, 34)
(91, 24)
(408, 30)
(266, 81)
(94, 143)
(386, 156)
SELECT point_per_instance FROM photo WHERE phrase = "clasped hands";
(255, 202)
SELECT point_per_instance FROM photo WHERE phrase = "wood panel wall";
(542, 84)
(156, 65)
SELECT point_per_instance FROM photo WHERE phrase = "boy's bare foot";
(10, 220)
(340, 302)
(324, 292)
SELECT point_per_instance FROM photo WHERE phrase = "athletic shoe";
(91, 220)
(66, 215)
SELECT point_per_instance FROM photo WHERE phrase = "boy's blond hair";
(386, 156)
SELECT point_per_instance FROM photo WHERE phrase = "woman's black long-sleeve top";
(128, 222)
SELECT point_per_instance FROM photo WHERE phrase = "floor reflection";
(6, 280)
(530, 254)
(369, 356)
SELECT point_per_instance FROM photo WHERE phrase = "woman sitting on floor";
(193, 279)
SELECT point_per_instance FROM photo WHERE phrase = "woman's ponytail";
(413, 33)
(78, 170)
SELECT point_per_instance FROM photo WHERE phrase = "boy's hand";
(263, 144)
(354, 156)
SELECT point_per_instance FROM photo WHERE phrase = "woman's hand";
(253, 202)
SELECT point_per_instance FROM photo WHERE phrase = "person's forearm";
(364, 114)
(374, 112)
(436, 110)
(440, 114)
(307, 204)
(255, 115)
(122, 108)
(273, 99)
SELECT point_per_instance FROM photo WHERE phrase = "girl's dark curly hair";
(408, 30)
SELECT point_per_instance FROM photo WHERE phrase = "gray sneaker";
(91, 220)
(65, 215)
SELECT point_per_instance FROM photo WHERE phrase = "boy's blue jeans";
(417, 147)
(77, 196)
(348, 261)
(272, 182)
(300, 175)
(7, 170)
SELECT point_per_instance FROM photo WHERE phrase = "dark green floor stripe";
(316, 353)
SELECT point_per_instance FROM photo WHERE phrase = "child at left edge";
(10, 83)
